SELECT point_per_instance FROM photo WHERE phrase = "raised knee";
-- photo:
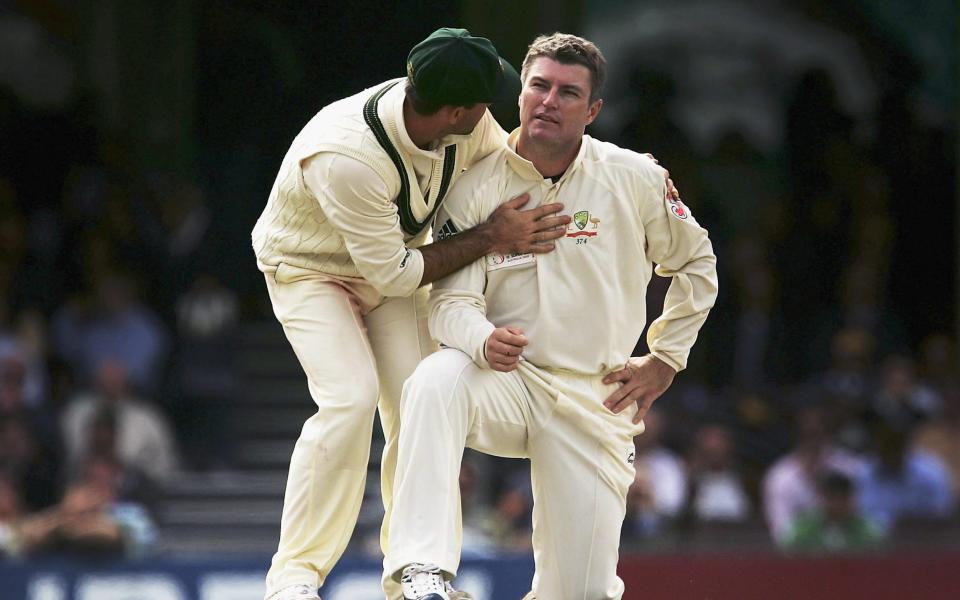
(434, 380)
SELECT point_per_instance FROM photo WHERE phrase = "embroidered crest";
(581, 219)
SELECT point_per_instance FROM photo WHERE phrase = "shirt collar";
(525, 168)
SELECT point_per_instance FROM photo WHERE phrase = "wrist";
(484, 236)
(662, 363)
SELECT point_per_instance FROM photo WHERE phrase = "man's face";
(555, 105)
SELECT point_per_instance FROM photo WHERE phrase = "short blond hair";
(569, 49)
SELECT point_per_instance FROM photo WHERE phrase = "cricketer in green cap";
(452, 67)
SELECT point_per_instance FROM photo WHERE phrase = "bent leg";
(329, 463)
(448, 403)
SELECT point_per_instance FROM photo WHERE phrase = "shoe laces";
(419, 580)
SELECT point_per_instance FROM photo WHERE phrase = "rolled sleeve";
(359, 206)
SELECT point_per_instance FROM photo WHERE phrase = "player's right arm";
(458, 310)
(358, 204)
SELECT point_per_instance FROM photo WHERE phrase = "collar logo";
(580, 220)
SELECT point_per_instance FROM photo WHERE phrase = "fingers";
(503, 348)
(508, 337)
(642, 409)
(502, 362)
(504, 367)
(541, 248)
(672, 190)
(547, 223)
(518, 202)
(623, 403)
(615, 376)
(548, 209)
(550, 234)
(617, 396)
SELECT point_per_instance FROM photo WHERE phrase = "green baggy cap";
(453, 67)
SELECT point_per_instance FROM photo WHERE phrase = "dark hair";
(425, 107)
(569, 50)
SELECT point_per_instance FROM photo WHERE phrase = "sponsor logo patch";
(496, 262)
(448, 229)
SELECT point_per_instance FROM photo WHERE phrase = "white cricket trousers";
(354, 347)
(580, 458)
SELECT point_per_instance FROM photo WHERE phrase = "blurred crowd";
(821, 406)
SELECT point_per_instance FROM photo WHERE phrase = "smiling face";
(555, 105)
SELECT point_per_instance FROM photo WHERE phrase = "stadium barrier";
(931, 576)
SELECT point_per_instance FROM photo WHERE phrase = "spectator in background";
(114, 326)
(901, 400)
(790, 485)
(847, 386)
(757, 330)
(762, 432)
(835, 525)
(900, 481)
(92, 521)
(716, 490)
(22, 339)
(938, 364)
(29, 447)
(660, 489)
(143, 438)
(11, 512)
(204, 376)
(509, 524)
(475, 542)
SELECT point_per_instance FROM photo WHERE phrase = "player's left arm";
(682, 250)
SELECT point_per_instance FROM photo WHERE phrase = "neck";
(423, 130)
(548, 160)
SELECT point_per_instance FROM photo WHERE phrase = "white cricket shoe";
(425, 582)
(296, 592)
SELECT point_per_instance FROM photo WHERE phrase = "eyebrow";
(568, 86)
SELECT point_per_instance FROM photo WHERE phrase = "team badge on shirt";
(678, 209)
(583, 225)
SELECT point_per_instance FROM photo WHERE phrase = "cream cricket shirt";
(333, 207)
(583, 306)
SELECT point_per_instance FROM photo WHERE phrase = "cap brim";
(504, 107)
(510, 86)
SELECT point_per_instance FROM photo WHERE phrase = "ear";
(594, 110)
(454, 114)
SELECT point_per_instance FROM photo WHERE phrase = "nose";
(550, 98)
